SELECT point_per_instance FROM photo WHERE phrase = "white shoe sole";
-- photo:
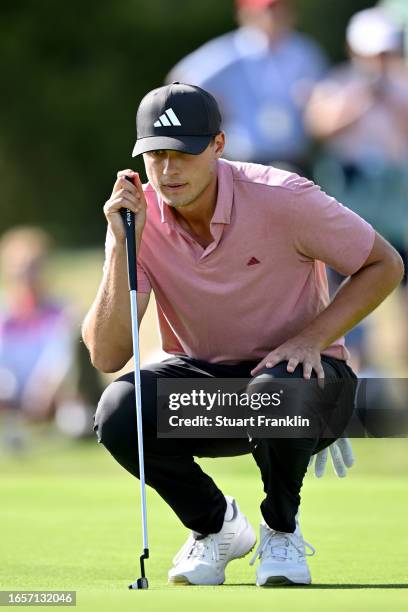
(240, 553)
(272, 581)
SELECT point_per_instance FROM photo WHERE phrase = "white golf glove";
(341, 455)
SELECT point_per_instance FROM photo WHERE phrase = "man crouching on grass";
(235, 254)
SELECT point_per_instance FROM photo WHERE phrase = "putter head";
(141, 583)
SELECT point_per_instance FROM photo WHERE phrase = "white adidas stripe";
(172, 116)
(164, 120)
(169, 117)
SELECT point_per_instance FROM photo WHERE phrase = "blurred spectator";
(398, 10)
(262, 75)
(360, 114)
(37, 341)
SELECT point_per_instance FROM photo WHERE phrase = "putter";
(129, 221)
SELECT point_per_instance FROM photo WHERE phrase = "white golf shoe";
(203, 561)
(282, 558)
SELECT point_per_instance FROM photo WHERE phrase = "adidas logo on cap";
(169, 117)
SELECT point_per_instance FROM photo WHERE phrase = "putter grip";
(129, 222)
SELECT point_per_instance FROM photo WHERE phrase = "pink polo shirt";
(262, 280)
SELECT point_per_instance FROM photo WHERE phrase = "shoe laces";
(276, 544)
(198, 549)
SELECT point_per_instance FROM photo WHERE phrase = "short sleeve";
(326, 230)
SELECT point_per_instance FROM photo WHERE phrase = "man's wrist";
(138, 238)
(313, 337)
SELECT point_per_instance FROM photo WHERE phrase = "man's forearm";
(355, 299)
(106, 329)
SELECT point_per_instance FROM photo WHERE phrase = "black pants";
(169, 463)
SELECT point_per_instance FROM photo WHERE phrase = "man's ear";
(219, 142)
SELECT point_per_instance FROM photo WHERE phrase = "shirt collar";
(250, 41)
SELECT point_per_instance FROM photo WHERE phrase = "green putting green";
(70, 520)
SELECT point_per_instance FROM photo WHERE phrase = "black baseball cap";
(179, 117)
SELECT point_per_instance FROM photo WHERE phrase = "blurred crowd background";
(315, 86)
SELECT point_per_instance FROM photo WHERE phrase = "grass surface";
(70, 516)
(69, 519)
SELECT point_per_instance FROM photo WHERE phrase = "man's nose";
(169, 165)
